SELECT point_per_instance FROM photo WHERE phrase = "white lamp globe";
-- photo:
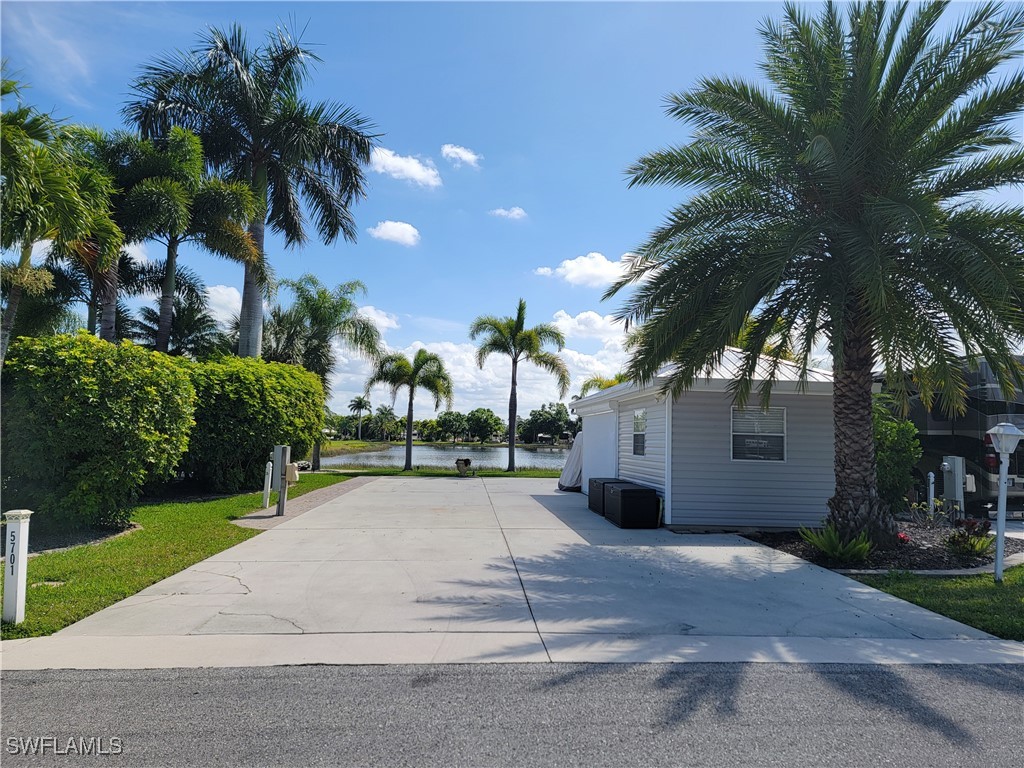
(1005, 437)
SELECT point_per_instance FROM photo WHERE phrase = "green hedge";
(86, 424)
(244, 407)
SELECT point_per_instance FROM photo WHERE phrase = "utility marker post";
(931, 493)
(16, 564)
(282, 455)
(268, 476)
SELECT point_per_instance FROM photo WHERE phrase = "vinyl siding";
(648, 469)
(599, 447)
(711, 490)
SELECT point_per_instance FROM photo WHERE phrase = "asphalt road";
(525, 715)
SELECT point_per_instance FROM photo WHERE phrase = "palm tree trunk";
(856, 507)
(108, 304)
(90, 312)
(360, 429)
(163, 330)
(13, 300)
(250, 317)
(512, 406)
(408, 433)
(316, 456)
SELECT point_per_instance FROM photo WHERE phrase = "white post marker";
(1004, 440)
(16, 564)
(931, 493)
(267, 477)
(282, 454)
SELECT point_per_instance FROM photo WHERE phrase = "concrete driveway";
(415, 570)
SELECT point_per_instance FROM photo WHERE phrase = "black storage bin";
(629, 505)
(595, 500)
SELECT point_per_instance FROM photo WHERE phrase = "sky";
(499, 174)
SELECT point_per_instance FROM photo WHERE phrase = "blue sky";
(542, 107)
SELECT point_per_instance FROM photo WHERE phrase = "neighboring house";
(713, 464)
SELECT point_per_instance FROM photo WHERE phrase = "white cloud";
(225, 302)
(396, 231)
(515, 212)
(53, 49)
(383, 320)
(405, 167)
(459, 156)
(138, 252)
(588, 325)
(592, 270)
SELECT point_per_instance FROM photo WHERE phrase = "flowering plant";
(903, 537)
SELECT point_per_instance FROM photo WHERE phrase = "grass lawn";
(974, 600)
(445, 472)
(344, 447)
(173, 536)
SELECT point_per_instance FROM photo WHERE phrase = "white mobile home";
(716, 465)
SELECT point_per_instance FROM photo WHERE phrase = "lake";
(445, 456)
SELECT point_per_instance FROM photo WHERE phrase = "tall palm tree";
(510, 336)
(165, 195)
(246, 105)
(842, 206)
(426, 371)
(306, 333)
(49, 191)
(357, 405)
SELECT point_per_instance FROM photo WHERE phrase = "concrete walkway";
(415, 570)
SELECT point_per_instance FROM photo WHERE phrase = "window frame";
(784, 435)
(638, 415)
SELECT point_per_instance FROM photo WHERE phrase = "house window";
(640, 432)
(758, 435)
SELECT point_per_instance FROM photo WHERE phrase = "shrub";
(87, 424)
(832, 545)
(244, 407)
(897, 451)
(971, 537)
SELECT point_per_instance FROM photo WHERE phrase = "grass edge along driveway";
(66, 586)
(974, 600)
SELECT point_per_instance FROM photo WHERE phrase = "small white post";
(282, 455)
(1004, 466)
(266, 483)
(931, 493)
(16, 564)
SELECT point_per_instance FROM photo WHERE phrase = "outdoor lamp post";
(1004, 440)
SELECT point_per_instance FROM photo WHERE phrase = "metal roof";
(723, 373)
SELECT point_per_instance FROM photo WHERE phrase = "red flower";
(903, 537)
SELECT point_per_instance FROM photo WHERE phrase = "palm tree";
(306, 333)
(384, 421)
(49, 191)
(426, 371)
(164, 195)
(510, 336)
(247, 107)
(194, 331)
(842, 206)
(357, 405)
(595, 383)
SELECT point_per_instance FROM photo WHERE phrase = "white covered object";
(572, 473)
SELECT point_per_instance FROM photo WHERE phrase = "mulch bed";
(926, 550)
